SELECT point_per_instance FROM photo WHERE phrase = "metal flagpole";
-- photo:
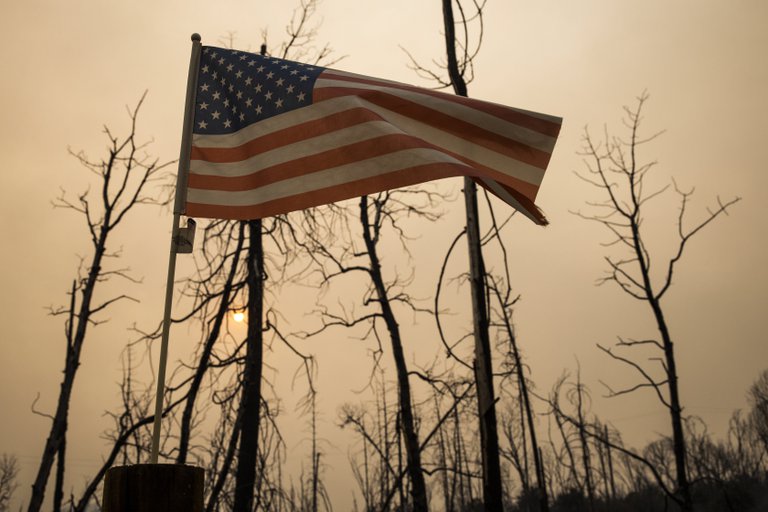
(176, 235)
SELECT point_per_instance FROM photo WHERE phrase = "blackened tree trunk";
(245, 476)
(489, 437)
(229, 456)
(525, 401)
(585, 454)
(413, 453)
(486, 400)
(58, 432)
(123, 177)
(675, 409)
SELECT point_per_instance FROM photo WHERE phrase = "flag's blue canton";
(235, 89)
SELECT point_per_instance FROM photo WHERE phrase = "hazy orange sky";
(70, 67)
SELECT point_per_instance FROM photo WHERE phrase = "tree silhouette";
(614, 167)
(9, 470)
(122, 176)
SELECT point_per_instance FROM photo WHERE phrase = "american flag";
(272, 136)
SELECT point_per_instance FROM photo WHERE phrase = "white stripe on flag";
(340, 175)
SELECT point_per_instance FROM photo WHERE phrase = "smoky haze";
(70, 68)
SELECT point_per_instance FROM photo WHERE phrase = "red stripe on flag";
(515, 116)
(449, 124)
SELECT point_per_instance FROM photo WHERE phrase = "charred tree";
(250, 404)
(613, 167)
(123, 177)
(486, 400)
(412, 450)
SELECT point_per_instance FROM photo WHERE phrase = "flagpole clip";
(185, 240)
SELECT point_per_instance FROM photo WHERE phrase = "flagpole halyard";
(178, 210)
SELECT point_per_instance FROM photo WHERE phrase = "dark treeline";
(587, 466)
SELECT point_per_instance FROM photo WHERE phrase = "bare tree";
(301, 35)
(313, 493)
(9, 470)
(450, 455)
(578, 395)
(377, 461)
(651, 466)
(123, 176)
(130, 437)
(371, 236)
(463, 39)
(205, 289)
(375, 213)
(251, 397)
(223, 446)
(613, 166)
(459, 71)
(758, 400)
(499, 288)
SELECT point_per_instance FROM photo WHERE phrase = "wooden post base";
(153, 488)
